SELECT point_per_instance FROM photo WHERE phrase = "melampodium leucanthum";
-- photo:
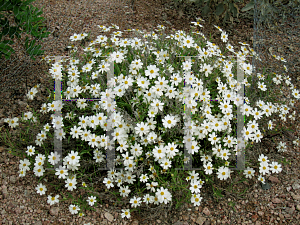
(150, 90)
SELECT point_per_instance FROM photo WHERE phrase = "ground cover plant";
(151, 89)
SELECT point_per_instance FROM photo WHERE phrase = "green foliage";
(270, 10)
(27, 19)
(225, 10)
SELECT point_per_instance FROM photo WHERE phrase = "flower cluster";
(153, 90)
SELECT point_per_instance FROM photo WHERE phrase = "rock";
(109, 217)
(54, 211)
(26, 193)
(274, 179)
(298, 207)
(290, 210)
(181, 223)
(4, 192)
(261, 213)
(185, 217)
(280, 49)
(38, 223)
(295, 197)
(281, 216)
(47, 222)
(200, 220)
(276, 200)
(254, 217)
(18, 210)
(206, 211)
(207, 222)
(265, 186)
(13, 179)
(296, 185)
(135, 222)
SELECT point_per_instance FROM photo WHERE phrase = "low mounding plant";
(151, 88)
(27, 17)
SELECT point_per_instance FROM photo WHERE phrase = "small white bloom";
(144, 178)
(52, 200)
(108, 183)
(262, 179)
(125, 213)
(196, 199)
(71, 184)
(91, 200)
(135, 201)
(275, 167)
(148, 199)
(30, 150)
(74, 209)
(41, 189)
(61, 172)
(249, 172)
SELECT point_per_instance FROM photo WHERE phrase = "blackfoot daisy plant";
(151, 87)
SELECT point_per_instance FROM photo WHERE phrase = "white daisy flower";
(264, 168)
(30, 150)
(41, 189)
(61, 172)
(108, 183)
(74, 209)
(52, 200)
(262, 179)
(196, 199)
(71, 184)
(275, 167)
(135, 201)
(144, 178)
(53, 158)
(169, 121)
(24, 164)
(148, 199)
(223, 173)
(195, 185)
(249, 172)
(125, 212)
(91, 200)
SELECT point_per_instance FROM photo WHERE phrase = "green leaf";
(14, 31)
(4, 21)
(233, 9)
(5, 31)
(16, 11)
(37, 51)
(44, 35)
(226, 17)
(28, 2)
(31, 44)
(5, 47)
(10, 42)
(6, 54)
(34, 20)
(220, 9)
(205, 10)
(6, 7)
(249, 6)
(26, 43)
